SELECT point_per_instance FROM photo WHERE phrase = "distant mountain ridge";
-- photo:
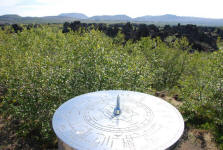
(10, 19)
(184, 20)
(163, 19)
(74, 15)
(111, 18)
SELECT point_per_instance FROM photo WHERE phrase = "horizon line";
(114, 15)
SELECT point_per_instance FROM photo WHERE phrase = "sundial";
(117, 120)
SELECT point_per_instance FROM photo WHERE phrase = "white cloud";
(8, 3)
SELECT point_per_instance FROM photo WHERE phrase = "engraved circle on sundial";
(134, 116)
(146, 122)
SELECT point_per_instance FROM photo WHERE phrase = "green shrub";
(202, 89)
(42, 68)
(166, 65)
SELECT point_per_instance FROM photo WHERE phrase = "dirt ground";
(195, 139)
(192, 139)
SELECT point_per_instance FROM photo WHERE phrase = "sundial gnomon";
(93, 121)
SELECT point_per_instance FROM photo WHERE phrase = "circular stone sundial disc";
(88, 122)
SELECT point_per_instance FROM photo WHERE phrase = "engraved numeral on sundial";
(112, 143)
(103, 141)
(108, 140)
(99, 138)
(128, 142)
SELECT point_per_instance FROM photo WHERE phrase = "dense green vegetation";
(42, 68)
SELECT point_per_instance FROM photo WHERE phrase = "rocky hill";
(68, 17)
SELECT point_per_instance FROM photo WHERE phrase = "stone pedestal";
(63, 146)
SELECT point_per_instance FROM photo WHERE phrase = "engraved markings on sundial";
(116, 121)
(129, 120)
(123, 127)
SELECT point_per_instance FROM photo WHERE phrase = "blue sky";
(132, 8)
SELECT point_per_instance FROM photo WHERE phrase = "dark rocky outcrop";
(17, 28)
(200, 38)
